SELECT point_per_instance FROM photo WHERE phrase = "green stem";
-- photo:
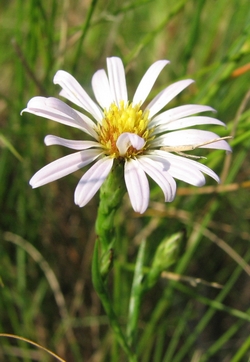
(84, 32)
(111, 195)
(104, 297)
(135, 297)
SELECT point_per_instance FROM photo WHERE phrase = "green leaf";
(6, 143)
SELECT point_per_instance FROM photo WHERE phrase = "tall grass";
(47, 242)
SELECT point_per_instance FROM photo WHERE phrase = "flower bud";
(166, 255)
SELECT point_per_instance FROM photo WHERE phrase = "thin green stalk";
(121, 281)
(179, 330)
(219, 343)
(208, 315)
(84, 32)
(194, 33)
(111, 195)
(117, 305)
(107, 305)
(165, 302)
(152, 34)
(135, 297)
(215, 304)
(242, 352)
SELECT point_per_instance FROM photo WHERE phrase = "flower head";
(144, 139)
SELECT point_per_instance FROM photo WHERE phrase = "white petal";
(56, 110)
(180, 170)
(192, 138)
(186, 122)
(101, 89)
(117, 80)
(92, 180)
(63, 166)
(126, 139)
(179, 112)
(74, 91)
(183, 168)
(191, 166)
(50, 140)
(148, 80)
(89, 123)
(63, 93)
(137, 185)
(165, 96)
(157, 171)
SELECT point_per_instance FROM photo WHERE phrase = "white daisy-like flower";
(142, 138)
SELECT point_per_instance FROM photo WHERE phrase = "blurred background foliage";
(47, 242)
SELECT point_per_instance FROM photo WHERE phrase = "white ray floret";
(92, 180)
(137, 185)
(148, 80)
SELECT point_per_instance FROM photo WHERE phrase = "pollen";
(117, 120)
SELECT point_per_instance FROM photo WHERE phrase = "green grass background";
(46, 244)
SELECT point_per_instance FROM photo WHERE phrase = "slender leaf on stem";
(135, 297)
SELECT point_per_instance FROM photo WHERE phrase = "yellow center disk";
(117, 120)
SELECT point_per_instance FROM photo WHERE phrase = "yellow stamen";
(117, 120)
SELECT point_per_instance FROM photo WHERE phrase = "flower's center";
(126, 118)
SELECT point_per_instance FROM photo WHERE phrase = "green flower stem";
(135, 297)
(111, 194)
(104, 297)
